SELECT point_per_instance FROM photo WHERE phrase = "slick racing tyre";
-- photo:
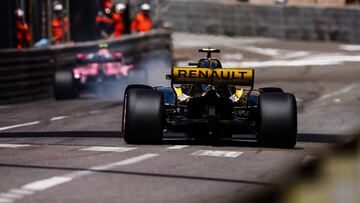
(277, 120)
(129, 87)
(137, 86)
(270, 89)
(143, 117)
(65, 85)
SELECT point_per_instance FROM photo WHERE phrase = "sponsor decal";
(234, 76)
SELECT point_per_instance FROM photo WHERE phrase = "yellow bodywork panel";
(178, 91)
(239, 93)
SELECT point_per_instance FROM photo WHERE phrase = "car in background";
(93, 69)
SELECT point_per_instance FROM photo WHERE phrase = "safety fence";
(242, 19)
(27, 74)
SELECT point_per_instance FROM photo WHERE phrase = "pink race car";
(100, 66)
(91, 69)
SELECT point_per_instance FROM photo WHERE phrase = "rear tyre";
(137, 86)
(270, 89)
(143, 116)
(65, 85)
(129, 87)
(277, 120)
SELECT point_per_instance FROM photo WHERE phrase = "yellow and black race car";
(211, 102)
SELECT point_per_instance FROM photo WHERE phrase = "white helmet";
(19, 12)
(58, 7)
(145, 7)
(120, 7)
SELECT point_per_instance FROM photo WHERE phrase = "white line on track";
(14, 194)
(338, 92)
(319, 60)
(41, 185)
(21, 191)
(108, 149)
(94, 112)
(78, 174)
(13, 145)
(5, 200)
(124, 162)
(197, 40)
(10, 195)
(262, 51)
(19, 125)
(227, 154)
(178, 147)
(350, 47)
(58, 118)
(46, 183)
(275, 53)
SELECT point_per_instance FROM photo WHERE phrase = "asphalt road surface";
(72, 151)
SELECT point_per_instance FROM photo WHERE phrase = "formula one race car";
(211, 102)
(91, 69)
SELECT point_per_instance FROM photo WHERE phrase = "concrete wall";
(287, 22)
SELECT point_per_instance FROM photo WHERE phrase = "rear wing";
(218, 76)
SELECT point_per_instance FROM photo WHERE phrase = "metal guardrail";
(27, 74)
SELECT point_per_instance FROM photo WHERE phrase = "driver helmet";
(120, 7)
(19, 12)
(58, 7)
(209, 63)
(145, 7)
(107, 5)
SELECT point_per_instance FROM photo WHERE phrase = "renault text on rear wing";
(226, 76)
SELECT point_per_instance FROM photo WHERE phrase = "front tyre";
(143, 116)
(65, 85)
(277, 120)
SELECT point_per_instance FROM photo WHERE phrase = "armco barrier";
(27, 74)
(243, 19)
